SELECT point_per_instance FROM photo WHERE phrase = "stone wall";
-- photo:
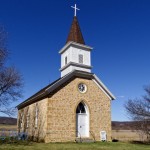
(61, 113)
(26, 120)
(57, 113)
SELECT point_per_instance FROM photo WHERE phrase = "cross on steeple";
(75, 9)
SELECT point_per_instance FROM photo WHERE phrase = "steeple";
(75, 55)
(75, 34)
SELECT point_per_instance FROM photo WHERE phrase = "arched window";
(21, 119)
(36, 115)
(81, 108)
(27, 120)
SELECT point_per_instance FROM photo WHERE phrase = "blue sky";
(119, 31)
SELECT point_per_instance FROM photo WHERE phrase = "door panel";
(82, 125)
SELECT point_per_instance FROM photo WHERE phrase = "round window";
(82, 88)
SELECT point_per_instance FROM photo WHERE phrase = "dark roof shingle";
(75, 33)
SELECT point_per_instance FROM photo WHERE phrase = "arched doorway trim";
(82, 120)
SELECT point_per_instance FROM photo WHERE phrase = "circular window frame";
(84, 86)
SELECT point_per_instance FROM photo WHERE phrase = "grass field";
(128, 135)
(121, 135)
(8, 127)
(75, 146)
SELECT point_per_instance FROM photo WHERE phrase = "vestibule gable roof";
(43, 93)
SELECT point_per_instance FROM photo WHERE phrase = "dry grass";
(121, 135)
(8, 127)
(7, 130)
(127, 135)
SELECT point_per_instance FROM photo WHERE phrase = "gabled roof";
(75, 33)
(43, 93)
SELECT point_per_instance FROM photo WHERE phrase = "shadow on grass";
(16, 142)
(140, 142)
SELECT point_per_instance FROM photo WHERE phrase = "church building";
(77, 106)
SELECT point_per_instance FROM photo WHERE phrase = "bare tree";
(139, 111)
(10, 79)
(3, 50)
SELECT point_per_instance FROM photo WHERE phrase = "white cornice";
(88, 48)
(75, 64)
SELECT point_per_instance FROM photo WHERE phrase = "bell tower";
(75, 55)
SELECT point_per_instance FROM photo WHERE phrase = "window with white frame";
(21, 120)
(36, 115)
(80, 58)
(27, 120)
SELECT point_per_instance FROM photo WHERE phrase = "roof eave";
(71, 43)
(62, 80)
(104, 87)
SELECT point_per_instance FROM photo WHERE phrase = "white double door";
(82, 125)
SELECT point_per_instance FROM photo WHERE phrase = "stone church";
(75, 106)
